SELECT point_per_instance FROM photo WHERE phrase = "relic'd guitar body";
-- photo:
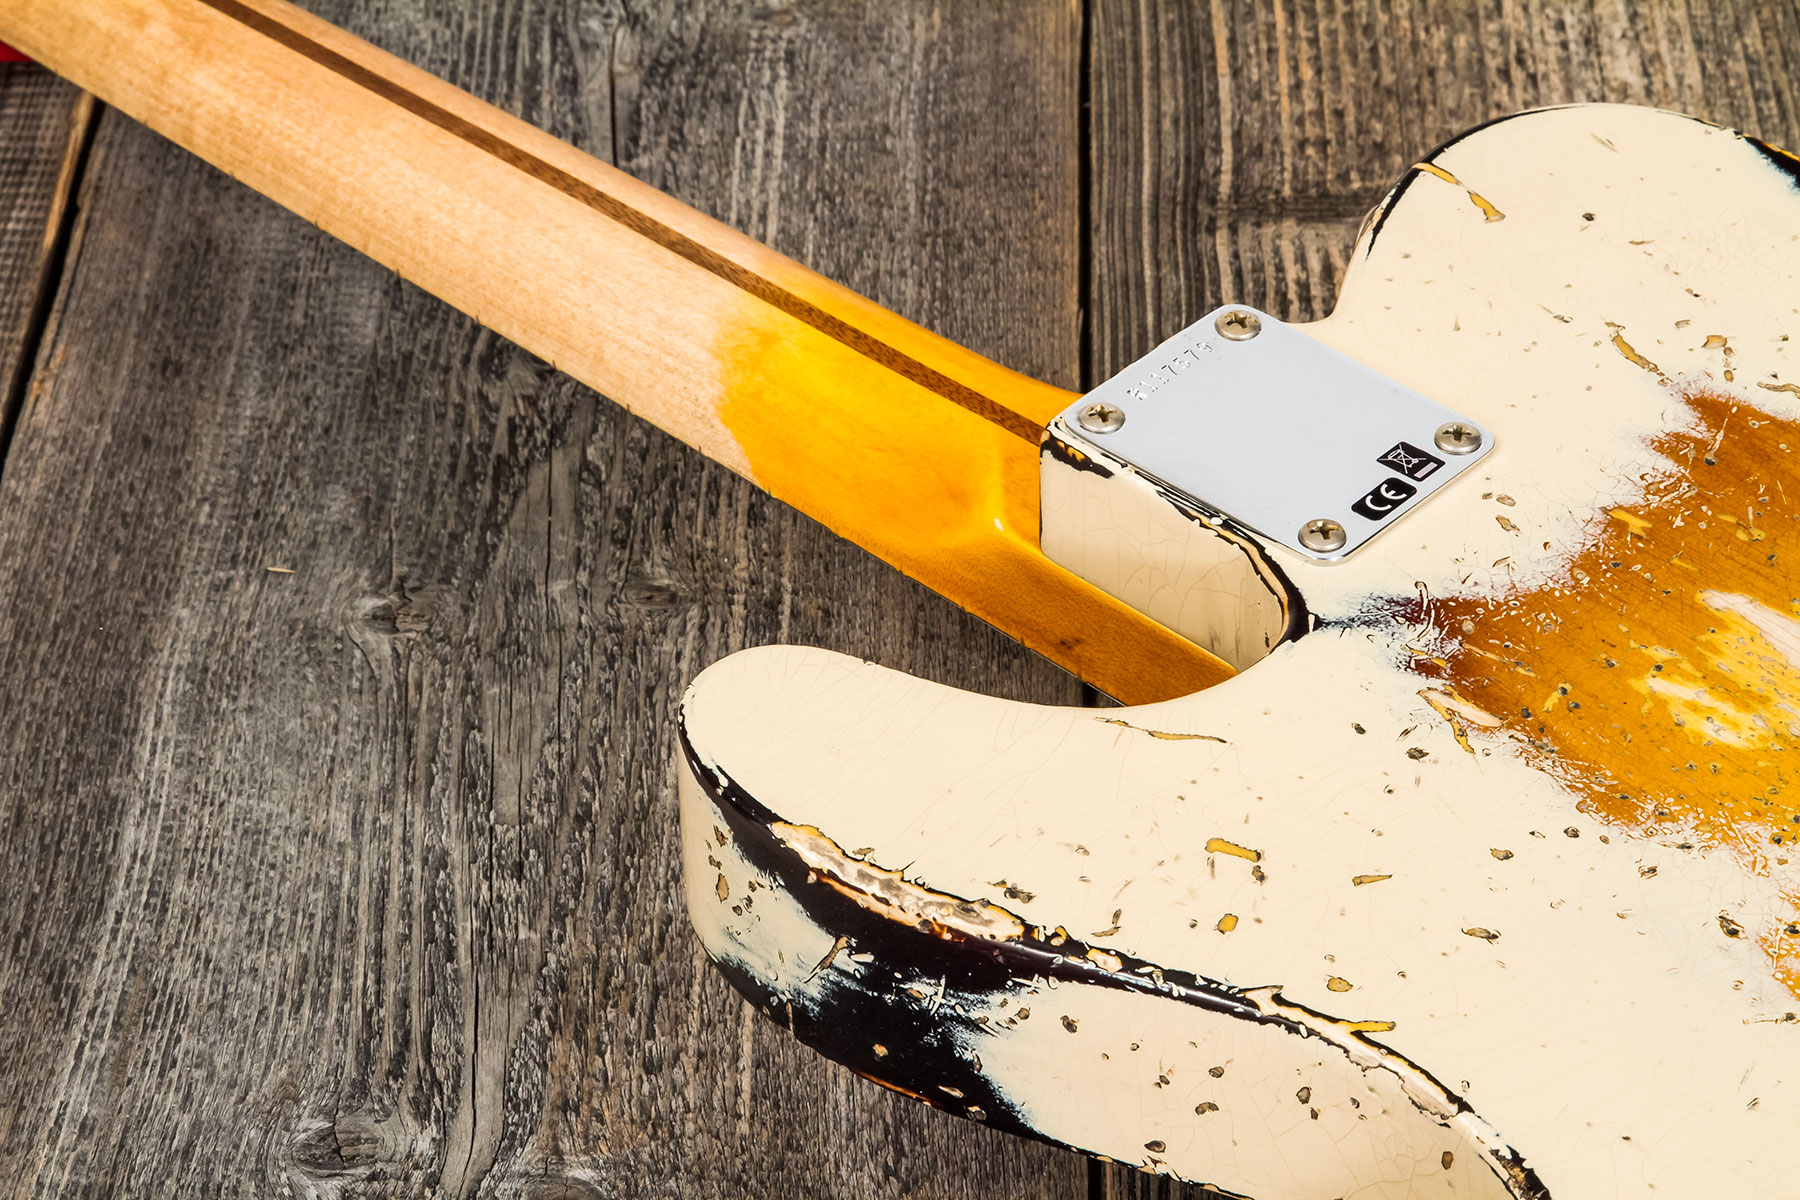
(1476, 881)
(1482, 882)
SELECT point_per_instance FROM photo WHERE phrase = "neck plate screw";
(1322, 536)
(1238, 325)
(1456, 437)
(1100, 417)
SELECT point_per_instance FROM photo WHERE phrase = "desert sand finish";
(1475, 885)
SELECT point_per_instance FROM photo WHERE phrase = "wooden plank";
(48, 123)
(339, 835)
(1235, 150)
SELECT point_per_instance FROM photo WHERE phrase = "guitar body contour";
(1481, 885)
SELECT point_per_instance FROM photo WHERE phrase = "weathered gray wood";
(360, 879)
(46, 124)
(1235, 148)
(343, 642)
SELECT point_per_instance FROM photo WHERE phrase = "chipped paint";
(1488, 211)
(1675, 721)
(1457, 712)
(1218, 845)
(1630, 354)
(1162, 734)
(1568, 731)
(892, 894)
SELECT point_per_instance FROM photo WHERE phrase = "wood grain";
(47, 124)
(360, 880)
(358, 876)
(902, 441)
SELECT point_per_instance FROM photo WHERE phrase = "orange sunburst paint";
(1661, 681)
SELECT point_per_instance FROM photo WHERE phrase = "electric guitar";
(1475, 881)
(1480, 881)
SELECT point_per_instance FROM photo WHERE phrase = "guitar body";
(1479, 885)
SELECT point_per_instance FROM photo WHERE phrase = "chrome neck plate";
(1253, 419)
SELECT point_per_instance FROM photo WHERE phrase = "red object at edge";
(8, 54)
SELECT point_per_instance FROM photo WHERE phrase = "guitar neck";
(901, 441)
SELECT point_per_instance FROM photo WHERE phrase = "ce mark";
(1387, 496)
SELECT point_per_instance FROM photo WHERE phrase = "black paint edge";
(978, 967)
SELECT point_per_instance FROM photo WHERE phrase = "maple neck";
(904, 442)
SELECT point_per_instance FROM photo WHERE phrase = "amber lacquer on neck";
(893, 437)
